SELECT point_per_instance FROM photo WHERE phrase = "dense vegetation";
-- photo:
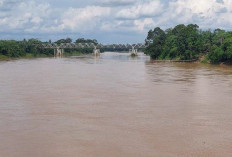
(13, 49)
(29, 48)
(189, 43)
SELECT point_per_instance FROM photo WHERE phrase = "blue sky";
(108, 21)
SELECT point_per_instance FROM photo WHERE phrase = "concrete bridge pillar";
(96, 52)
(58, 52)
(133, 51)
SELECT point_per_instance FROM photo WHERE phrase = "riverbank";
(188, 42)
(202, 60)
(27, 56)
(3, 58)
(180, 61)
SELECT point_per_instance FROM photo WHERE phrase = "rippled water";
(114, 106)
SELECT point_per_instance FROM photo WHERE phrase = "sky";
(108, 21)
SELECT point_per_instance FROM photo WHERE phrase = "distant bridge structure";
(59, 49)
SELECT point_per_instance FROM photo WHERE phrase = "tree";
(155, 41)
(68, 40)
(188, 43)
(82, 40)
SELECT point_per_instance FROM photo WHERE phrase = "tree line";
(29, 48)
(188, 42)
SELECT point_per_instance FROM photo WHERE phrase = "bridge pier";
(58, 52)
(96, 52)
(133, 51)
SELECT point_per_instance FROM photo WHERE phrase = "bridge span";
(59, 48)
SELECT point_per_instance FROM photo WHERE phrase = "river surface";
(114, 106)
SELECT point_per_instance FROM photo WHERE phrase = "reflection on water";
(114, 105)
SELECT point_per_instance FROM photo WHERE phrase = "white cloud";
(150, 9)
(116, 3)
(144, 24)
(110, 16)
(206, 13)
(203, 8)
(121, 1)
(118, 26)
(83, 19)
(31, 17)
(36, 20)
(21, 15)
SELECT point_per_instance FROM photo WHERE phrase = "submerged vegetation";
(190, 43)
(133, 55)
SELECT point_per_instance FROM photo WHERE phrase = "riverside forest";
(29, 48)
(181, 43)
(190, 43)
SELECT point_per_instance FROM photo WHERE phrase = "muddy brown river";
(114, 106)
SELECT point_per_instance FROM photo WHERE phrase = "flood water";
(114, 106)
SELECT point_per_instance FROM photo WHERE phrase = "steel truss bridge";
(59, 49)
(90, 45)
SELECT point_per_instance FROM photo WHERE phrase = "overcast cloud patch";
(43, 19)
(116, 3)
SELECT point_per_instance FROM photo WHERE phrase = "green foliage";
(133, 55)
(15, 49)
(29, 48)
(11, 48)
(2, 57)
(189, 43)
(205, 60)
(82, 40)
(67, 40)
(155, 42)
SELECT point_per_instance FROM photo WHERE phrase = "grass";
(27, 56)
(2, 58)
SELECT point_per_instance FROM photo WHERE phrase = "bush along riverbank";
(10, 49)
(189, 43)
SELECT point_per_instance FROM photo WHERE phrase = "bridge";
(59, 48)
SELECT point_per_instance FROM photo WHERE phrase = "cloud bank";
(128, 18)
